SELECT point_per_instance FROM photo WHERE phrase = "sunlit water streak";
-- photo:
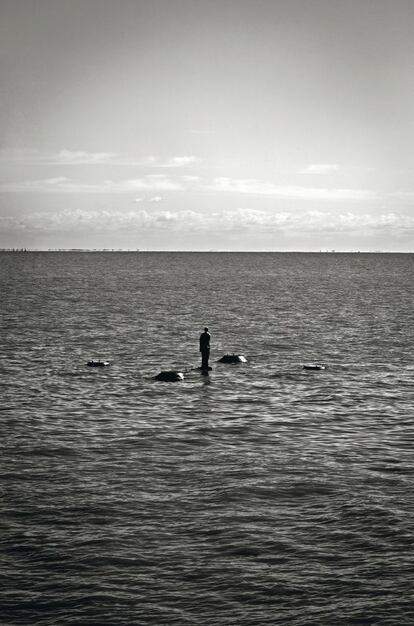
(261, 494)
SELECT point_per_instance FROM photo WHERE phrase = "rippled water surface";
(260, 494)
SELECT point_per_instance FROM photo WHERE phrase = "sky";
(207, 124)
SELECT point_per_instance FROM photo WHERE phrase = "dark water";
(261, 494)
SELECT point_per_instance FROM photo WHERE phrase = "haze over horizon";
(207, 125)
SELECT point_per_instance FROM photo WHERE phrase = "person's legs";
(204, 359)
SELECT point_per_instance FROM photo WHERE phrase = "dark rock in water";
(97, 363)
(169, 376)
(233, 358)
(314, 366)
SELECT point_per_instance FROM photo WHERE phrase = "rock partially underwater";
(233, 358)
(98, 363)
(171, 376)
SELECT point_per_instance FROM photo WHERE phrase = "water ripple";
(261, 494)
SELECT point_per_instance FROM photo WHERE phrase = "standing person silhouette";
(205, 348)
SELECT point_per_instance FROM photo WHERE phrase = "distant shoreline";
(132, 250)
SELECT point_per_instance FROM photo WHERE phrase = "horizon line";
(143, 251)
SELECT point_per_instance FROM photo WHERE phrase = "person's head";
(205, 329)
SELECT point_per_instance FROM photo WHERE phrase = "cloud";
(79, 157)
(350, 222)
(241, 220)
(258, 187)
(172, 162)
(152, 199)
(181, 161)
(320, 168)
(62, 184)
(191, 179)
(407, 197)
(56, 183)
(83, 157)
(62, 157)
(172, 182)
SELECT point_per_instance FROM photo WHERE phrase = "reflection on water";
(259, 494)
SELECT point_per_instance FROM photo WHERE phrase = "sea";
(260, 494)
